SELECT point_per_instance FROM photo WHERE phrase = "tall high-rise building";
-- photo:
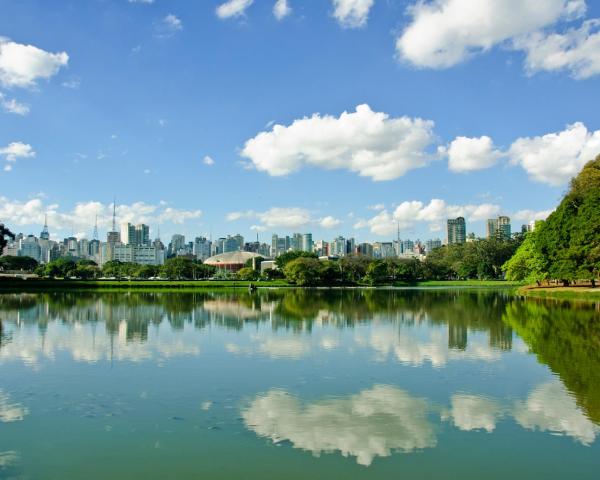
(338, 247)
(307, 242)
(177, 244)
(350, 246)
(457, 230)
(296, 242)
(498, 228)
(201, 248)
(45, 234)
(432, 244)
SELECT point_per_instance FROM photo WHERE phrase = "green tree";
(377, 273)
(303, 271)
(282, 260)
(10, 262)
(177, 268)
(248, 273)
(527, 264)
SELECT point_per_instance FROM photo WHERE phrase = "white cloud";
(147, 2)
(473, 412)
(16, 150)
(352, 13)
(10, 412)
(529, 215)
(330, 222)
(233, 8)
(82, 215)
(281, 9)
(373, 423)
(556, 157)
(22, 65)
(290, 217)
(10, 105)
(408, 213)
(284, 217)
(549, 407)
(208, 160)
(168, 26)
(73, 83)
(577, 50)
(376, 207)
(369, 143)
(466, 154)
(443, 33)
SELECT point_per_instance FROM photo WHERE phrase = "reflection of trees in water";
(566, 337)
(289, 309)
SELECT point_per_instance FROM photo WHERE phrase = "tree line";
(565, 247)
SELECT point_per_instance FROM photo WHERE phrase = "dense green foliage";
(566, 246)
(481, 260)
(282, 260)
(10, 262)
(173, 269)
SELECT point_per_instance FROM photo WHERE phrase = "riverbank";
(28, 285)
(582, 293)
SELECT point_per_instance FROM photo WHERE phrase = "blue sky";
(480, 112)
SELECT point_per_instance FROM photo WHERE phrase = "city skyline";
(203, 118)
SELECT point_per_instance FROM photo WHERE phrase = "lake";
(294, 384)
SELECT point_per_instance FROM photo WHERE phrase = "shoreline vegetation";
(556, 292)
(33, 284)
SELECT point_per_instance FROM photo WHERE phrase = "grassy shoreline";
(562, 293)
(16, 285)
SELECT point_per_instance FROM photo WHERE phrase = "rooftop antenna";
(45, 234)
(114, 222)
(95, 234)
(158, 232)
(398, 244)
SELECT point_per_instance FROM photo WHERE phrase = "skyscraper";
(498, 228)
(457, 230)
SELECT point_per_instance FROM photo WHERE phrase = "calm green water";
(298, 384)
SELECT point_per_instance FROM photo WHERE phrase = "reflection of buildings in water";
(457, 337)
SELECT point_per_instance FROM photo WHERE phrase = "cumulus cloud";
(466, 154)
(208, 160)
(409, 213)
(290, 217)
(577, 50)
(284, 217)
(281, 9)
(81, 217)
(168, 26)
(549, 407)
(233, 8)
(10, 105)
(370, 143)
(474, 412)
(443, 33)
(141, 1)
(14, 151)
(555, 158)
(22, 65)
(373, 423)
(352, 13)
(329, 222)
(532, 215)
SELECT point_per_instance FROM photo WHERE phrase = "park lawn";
(562, 293)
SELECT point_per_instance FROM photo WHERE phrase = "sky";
(336, 117)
